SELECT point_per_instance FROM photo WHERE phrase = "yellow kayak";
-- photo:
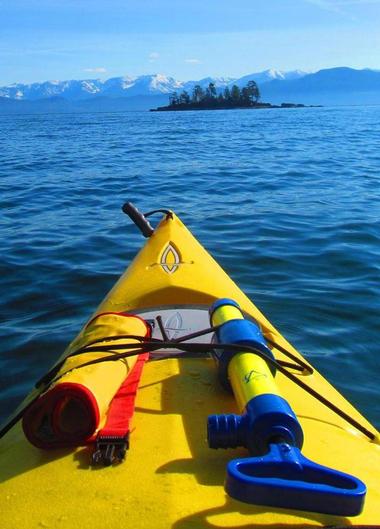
(228, 426)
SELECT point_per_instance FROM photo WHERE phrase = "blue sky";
(78, 39)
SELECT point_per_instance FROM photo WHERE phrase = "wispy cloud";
(193, 61)
(95, 70)
(153, 56)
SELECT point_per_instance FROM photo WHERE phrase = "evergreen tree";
(227, 94)
(253, 91)
(184, 98)
(198, 94)
(212, 90)
(173, 99)
(235, 93)
(247, 96)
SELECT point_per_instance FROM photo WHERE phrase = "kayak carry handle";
(138, 218)
(285, 478)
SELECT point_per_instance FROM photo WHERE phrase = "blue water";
(288, 201)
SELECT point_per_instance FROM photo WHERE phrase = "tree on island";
(235, 97)
(184, 98)
(211, 99)
(211, 91)
(173, 99)
(198, 94)
(227, 94)
(253, 92)
(235, 94)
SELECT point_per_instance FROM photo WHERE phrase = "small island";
(209, 99)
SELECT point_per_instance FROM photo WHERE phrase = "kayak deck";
(171, 478)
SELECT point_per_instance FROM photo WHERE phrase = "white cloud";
(153, 56)
(193, 61)
(95, 70)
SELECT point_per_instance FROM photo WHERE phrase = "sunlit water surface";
(286, 200)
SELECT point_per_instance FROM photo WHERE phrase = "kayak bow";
(171, 476)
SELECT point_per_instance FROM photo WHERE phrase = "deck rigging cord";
(187, 349)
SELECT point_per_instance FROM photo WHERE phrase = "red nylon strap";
(122, 406)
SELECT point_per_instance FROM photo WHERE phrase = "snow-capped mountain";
(76, 90)
(259, 77)
(268, 76)
(142, 85)
(219, 82)
(68, 89)
(130, 86)
(334, 86)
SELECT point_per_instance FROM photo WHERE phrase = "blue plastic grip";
(267, 417)
(285, 478)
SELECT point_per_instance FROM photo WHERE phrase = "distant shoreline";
(258, 106)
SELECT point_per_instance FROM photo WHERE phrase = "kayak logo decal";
(253, 375)
(170, 259)
(174, 325)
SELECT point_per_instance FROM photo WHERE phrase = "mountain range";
(335, 86)
(143, 85)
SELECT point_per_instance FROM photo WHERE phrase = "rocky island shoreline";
(253, 107)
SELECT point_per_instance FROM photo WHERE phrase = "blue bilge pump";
(276, 474)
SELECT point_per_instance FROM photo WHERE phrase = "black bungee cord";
(189, 349)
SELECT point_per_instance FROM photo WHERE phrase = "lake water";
(288, 201)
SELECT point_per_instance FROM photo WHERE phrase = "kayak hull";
(171, 478)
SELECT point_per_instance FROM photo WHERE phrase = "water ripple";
(286, 200)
